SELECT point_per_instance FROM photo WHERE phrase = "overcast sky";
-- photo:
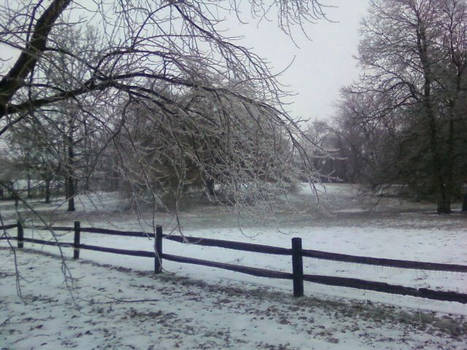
(322, 66)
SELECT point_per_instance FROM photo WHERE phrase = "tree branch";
(26, 62)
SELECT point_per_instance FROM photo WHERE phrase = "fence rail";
(103, 231)
(44, 242)
(387, 288)
(248, 247)
(405, 264)
(141, 253)
(296, 252)
(238, 268)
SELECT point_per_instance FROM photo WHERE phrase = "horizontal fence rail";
(386, 288)
(117, 233)
(405, 264)
(296, 252)
(248, 247)
(49, 228)
(51, 243)
(238, 268)
(141, 253)
(103, 231)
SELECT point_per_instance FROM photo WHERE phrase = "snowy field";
(117, 302)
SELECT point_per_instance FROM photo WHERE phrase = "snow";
(117, 301)
(121, 308)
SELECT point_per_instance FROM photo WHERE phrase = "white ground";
(190, 307)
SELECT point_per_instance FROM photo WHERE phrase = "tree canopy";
(103, 58)
(410, 102)
(170, 42)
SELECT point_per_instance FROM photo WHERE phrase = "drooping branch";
(27, 60)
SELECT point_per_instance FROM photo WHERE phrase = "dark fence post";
(76, 242)
(297, 267)
(20, 238)
(158, 250)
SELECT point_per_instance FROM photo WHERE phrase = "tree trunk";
(29, 184)
(70, 193)
(69, 181)
(439, 181)
(70, 189)
(447, 188)
(86, 187)
(444, 200)
(464, 203)
(47, 191)
(16, 197)
(210, 187)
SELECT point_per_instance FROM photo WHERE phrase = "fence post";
(76, 241)
(297, 267)
(20, 237)
(158, 250)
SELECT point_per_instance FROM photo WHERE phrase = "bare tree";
(8, 173)
(170, 57)
(150, 53)
(365, 140)
(414, 56)
(241, 148)
(174, 44)
(165, 41)
(54, 141)
(35, 151)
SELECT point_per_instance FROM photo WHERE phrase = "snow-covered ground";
(123, 305)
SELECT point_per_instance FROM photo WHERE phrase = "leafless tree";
(165, 41)
(415, 57)
(147, 53)
(151, 52)
(53, 141)
(241, 148)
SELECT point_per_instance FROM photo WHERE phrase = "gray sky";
(322, 66)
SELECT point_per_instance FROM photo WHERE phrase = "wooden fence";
(296, 252)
